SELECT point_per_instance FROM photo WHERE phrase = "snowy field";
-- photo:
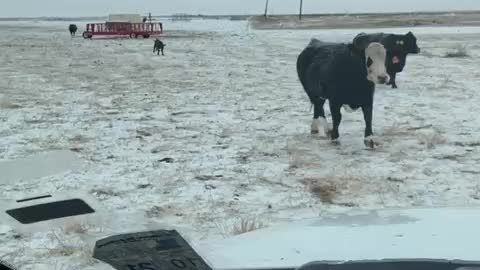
(217, 132)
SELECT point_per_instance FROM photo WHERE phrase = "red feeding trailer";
(124, 25)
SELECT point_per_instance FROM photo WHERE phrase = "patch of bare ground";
(328, 189)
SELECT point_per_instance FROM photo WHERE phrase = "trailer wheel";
(86, 35)
(133, 35)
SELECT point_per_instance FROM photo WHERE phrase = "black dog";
(397, 46)
(73, 29)
(158, 46)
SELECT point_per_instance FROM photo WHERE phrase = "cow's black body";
(158, 46)
(73, 29)
(397, 46)
(337, 72)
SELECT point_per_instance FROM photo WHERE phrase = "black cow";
(397, 46)
(73, 29)
(346, 77)
(158, 46)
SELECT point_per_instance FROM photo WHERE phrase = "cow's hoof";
(394, 86)
(328, 133)
(371, 142)
(335, 141)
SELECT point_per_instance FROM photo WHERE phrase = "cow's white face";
(375, 55)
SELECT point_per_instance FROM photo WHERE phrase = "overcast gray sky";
(14, 8)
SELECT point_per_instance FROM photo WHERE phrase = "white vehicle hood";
(436, 233)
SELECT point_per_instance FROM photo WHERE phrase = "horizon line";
(248, 15)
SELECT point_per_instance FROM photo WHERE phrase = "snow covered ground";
(216, 133)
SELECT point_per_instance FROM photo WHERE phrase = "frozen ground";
(224, 108)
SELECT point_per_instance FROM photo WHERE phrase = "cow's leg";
(390, 74)
(369, 140)
(336, 119)
(319, 118)
(393, 76)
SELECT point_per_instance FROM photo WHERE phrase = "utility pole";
(266, 8)
(300, 13)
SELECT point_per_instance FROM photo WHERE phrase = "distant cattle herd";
(346, 75)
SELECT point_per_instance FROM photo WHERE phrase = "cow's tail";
(302, 62)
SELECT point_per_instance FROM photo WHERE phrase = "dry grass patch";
(301, 159)
(103, 193)
(458, 52)
(66, 246)
(431, 139)
(245, 225)
(321, 188)
(325, 192)
(329, 188)
(155, 211)
(76, 227)
(7, 104)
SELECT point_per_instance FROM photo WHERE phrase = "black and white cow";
(346, 77)
(397, 46)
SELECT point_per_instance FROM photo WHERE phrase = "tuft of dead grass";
(69, 247)
(325, 192)
(155, 211)
(458, 52)
(103, 193)
(328, 188)
(395, 130)
(427, 54)
(321, 188)
(298, 160)
(476, 192)
(431, 139)
(245, 225)
(76, 227)
(467, 144)
(294, 161)
(7, 104)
